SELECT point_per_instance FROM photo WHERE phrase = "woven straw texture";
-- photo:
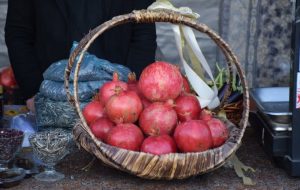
(170, 166)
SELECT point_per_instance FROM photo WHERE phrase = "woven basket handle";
(147, 16)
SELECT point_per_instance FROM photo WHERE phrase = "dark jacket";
(40, 32)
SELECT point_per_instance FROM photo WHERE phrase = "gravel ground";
(267, 176)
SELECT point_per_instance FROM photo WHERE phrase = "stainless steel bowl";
(273, 102)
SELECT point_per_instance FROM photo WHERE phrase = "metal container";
(273, 106)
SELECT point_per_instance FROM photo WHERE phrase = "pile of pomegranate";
(156, 114)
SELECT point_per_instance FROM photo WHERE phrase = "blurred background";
(258, 31)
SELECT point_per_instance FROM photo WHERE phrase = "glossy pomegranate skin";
(7, 78)
(186, 86)
(124, 107)
(160, 81)
(132, 82)
(145, 101)
(108, 89)
(205, 115)
(127, 136)
(187, 107)
(158, 119)
(133, 86)
(218, 131)
(159, 145)
(193, 136)
(92, 111)
(101, 127)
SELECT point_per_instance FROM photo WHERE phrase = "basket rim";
(227, 123)
(147, 16)
(81, 135)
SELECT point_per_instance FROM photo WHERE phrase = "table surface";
(267, 175)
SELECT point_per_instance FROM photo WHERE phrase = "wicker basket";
(170, 166)
(234, 111)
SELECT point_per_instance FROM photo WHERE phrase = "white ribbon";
(207, 96)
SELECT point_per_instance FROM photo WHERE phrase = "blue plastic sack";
(56, 90)
(91, 69)
(55, 114)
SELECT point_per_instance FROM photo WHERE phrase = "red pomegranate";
(205, 115)
(133, 85)
(96, 97)
(101, 127)
(132, 82)
(125, 135)
(145, 102)
(108, 89)
(193, 136)
(124, 106)
(93, 111)
(158, 119)
(160, 81)
(159, 145)
(7, 78)
(187, 107)
(218, 131)
(186, 85)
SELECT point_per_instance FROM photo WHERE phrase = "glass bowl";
(10, 143)
(50, 147)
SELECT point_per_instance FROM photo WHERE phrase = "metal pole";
(293, 159)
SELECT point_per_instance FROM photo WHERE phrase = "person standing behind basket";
(40, 32)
